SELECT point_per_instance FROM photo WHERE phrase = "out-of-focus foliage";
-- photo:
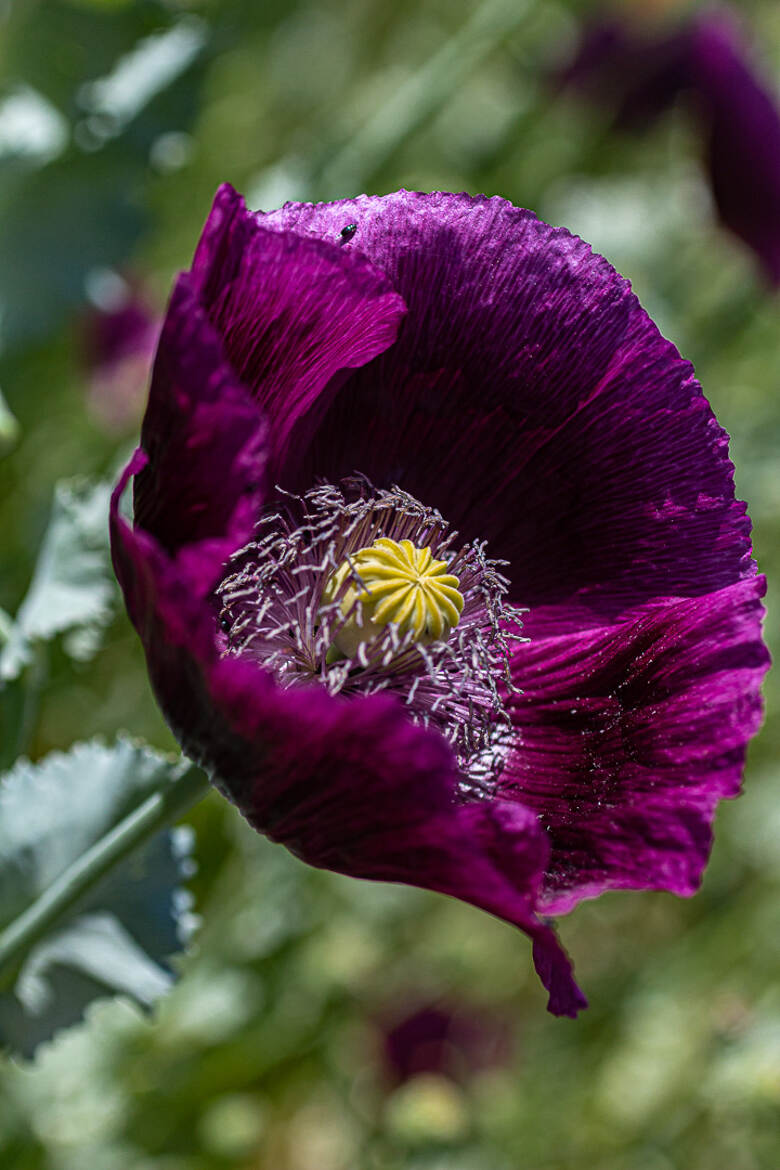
(72, 589)
(267, 1054)
(72, 592)
(116, 939)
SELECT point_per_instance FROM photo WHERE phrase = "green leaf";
(72, 589)
(117, 934)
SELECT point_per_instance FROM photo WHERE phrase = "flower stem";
(34, 681)
(154, 813)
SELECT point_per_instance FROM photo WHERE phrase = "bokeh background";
(322, 1023)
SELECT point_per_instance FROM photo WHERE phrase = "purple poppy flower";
(444, 389)
(638, 75)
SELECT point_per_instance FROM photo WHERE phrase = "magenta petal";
(628, 737)
(356, 788)
(205, 441)
(292, 312)
(555, 971)
(532, 400)
(351, 786)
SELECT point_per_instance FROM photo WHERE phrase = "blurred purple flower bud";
(636, 75)
(454, 1040)
(119, 339)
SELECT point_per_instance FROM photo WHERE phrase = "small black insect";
(348, 232)
(225, 623)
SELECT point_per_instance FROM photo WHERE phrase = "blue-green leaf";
(72, 589)
(118, 938)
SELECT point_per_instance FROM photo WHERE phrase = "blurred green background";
(118, 119)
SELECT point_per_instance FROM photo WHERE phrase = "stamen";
(364, 590)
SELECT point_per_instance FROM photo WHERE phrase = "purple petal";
(205, 441)
(628, 737)
(351, 786)
(744, 138)
(532, 400)
(293, 313)
(356, 788)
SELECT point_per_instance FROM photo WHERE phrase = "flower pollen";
(399, 583)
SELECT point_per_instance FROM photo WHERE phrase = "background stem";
(421, 96)
(157, 811)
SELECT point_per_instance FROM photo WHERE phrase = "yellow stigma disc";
(400, 584)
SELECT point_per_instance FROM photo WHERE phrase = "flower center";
(393, 581)
(363, 590)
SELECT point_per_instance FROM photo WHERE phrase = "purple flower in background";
(119, 339)
(496, 633)
(634, 77)
(743, 138)
(638, 75)
(452, 1039)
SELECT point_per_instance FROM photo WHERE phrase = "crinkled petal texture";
(498, 370)
(629, 736)
(532, 400)
(571, 435)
